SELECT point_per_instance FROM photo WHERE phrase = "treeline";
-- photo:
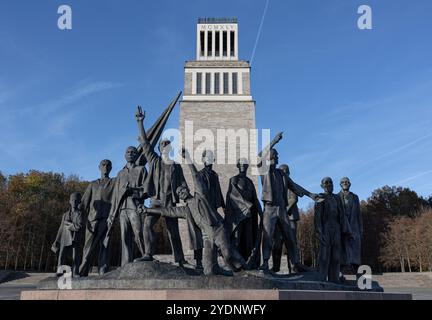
(397, 234)
(408, 243)
(397, 225)
(31, 209)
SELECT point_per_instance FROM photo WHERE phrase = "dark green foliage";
(31, 207)
(378, 211)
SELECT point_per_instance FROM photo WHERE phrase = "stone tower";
(217, 111)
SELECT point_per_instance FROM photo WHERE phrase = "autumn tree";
(31, 207)
(384, 205)
(407, 243)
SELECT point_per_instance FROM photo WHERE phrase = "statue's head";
(165, 147)
(75, 200)
(345, 183)
(208, 158)
(243, 165)
(274, 157)
(105, 167)
(183, 192)
(285, 169)
(327, 185)
(131, 154)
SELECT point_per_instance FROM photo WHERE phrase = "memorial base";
(177, 294)
(164, 281)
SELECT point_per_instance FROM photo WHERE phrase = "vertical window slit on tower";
(210, 42)
(232, 44)
(225, 83)
(207, 83)
(234, 83)
(216, 82)
(202, 42)
(225, 43)
(217, 43)
(199, 83)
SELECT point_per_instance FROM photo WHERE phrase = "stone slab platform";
(177, 294)
(157, 275)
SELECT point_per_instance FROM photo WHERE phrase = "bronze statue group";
(237, 228)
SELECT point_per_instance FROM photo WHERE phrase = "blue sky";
(351, 103)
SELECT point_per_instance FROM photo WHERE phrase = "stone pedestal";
(157, 275)
(208, 295)
(164, 281)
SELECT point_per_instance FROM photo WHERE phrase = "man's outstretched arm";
(300, 191)
(174, 212)
(266, 151)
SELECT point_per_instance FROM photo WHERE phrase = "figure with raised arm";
(274, 196)
(165, 176)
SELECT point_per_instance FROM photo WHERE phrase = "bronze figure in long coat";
(243, 216)
(165, 176)
(128, 196)
(351, 247)
(96, 204)
(330, 226)
(274, 196)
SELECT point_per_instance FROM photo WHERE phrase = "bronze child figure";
(243, 215)
(69, 236)
(351, 247)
